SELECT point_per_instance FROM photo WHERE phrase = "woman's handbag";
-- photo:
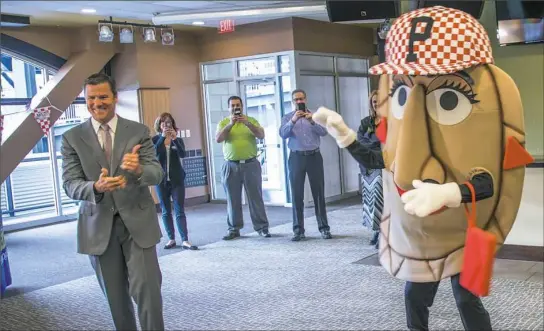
(479, 254)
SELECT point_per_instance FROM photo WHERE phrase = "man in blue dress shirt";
(304, 138)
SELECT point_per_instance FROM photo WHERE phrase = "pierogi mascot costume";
(452, 117)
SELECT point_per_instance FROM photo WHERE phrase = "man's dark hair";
(298, 90)
(235, 97)
(100, 78)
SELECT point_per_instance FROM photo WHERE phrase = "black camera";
(301, 106)
(237, 111)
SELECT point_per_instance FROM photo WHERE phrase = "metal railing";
(30, 187)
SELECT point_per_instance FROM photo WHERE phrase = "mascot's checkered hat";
(434, 41)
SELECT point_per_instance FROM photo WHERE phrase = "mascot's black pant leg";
(472, 311)
(419, 298)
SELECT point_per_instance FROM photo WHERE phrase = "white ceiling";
(68, 13)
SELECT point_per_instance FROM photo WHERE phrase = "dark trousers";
(165, 191)
(300, 164)
(419, 298)
(249, 175)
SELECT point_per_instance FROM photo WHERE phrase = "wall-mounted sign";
(226, 26)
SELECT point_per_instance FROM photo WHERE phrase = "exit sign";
(226, 26)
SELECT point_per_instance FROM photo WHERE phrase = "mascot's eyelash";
(396, 85)
(461, 88)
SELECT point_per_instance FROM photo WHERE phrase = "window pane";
(29, 192)
(315, 63)
(216, 96)
(218, 71)
(69, 206)
(19, 78)
(286, 94)
(347, 65)
(285, 63)
(257, 67)
(76, 113)
(13, 117)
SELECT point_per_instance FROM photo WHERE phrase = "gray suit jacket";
(83, 158)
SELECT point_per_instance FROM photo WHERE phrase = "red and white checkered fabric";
(456, 41)
(42, 115)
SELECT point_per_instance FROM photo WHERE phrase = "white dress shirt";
(113, 127)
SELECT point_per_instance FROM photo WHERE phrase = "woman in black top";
(170, 150)
(371, 179)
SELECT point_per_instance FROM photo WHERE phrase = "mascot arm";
(346, 138)
(483, 187)
(429, 197)
(364, 155)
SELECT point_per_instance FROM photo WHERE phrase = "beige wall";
(325, 37)
(251, 39)
(54, 40)
(525, 64)
(284, 35)
(177, 68)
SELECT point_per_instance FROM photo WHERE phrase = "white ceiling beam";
(263, 13)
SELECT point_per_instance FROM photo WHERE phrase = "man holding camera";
(304, 139)
(238, 134)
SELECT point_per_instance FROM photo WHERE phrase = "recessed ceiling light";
(88, 11)
(198, 23)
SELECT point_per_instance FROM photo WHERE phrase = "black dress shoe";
(264, 233)
(298, 237)
(231, 235)
(326, 235)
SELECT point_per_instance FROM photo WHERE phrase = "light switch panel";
(188, 133)
(181, 134)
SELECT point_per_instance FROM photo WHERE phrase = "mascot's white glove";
(426, 198)
(335, 125)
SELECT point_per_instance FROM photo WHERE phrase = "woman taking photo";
(372, 190)
(170, 150)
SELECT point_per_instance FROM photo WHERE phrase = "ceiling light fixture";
(198, 23)
(264, 13)
(88, 11)
(149, 35)
(105, 32)
(126, 35)
(167, 37)
(126, 32)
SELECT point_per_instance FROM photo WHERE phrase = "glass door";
(260, 98)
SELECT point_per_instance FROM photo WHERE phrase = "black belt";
(312, 152)
(244, 161)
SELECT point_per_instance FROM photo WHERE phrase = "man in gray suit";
(117, 224)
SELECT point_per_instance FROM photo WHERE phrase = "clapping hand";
(131, 161)
(108, 184)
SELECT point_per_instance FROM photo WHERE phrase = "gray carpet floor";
(256, 283)
(50, 251)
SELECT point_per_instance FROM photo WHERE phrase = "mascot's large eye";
(399, 97)
(449, 105)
